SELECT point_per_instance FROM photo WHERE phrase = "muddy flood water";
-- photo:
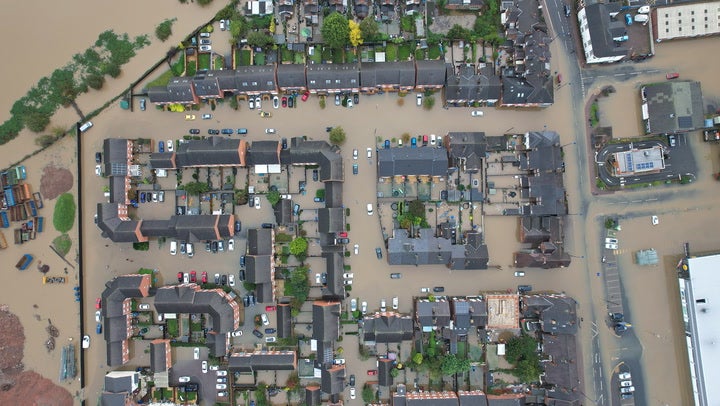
(686, 214)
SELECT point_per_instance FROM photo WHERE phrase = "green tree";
(259, 39)
(335, 30)
(241, 196)
(45, 140)
(273, 197)
(369, 29)
(429, 103)
(368, 395)
(337, 136)
(238, 28)
(204, 2)
(95, 81)
(521, 347)
(417, 358)
(298, 246)
(36, 120)
(417, 208)
(458, 32)
(394, 372)
(113, 70)
(164, 30)
(196, 188)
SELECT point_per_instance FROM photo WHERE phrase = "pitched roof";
(291, 76)
(262, 361)
(211, 151)
(335, 76)
(435, 314)
(557, 312)
(332, 380)
(284, 320)
(160, 357)
(412, 161)
(467, 149)
(387, 327)
(312, 394)
(116, 314)
(602, 29)
(331, 220)
(190, 298)
(206, 84)
(385, 378)
(256, 79)
(326, 320)
(430, 73)
(334, 268)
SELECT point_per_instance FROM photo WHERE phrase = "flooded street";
(685, 212)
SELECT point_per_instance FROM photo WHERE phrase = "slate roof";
(116, 314)
(412, 161)
(283, 211)
(332, 380)
(334, 268)
(264, 153)
(431, 315)
(217, 343)
(121, 381)
(388, 327)
(547, 195)
(468, 149)
(469, 85)
(544, 154)
(333, 77)
(206, 85)
(518, 91)
(116, 156)
(312, 395)
(256, 79)
(558, 313)
(602, 29)
(326, 320)
(291, 76)
(385, 365)
(428, 249)
(190, 298)
(178, 90)
(387, 74)
(331, 220)
(430, 74)
(284, 321)
(674, 106)
(211, 151)
(561, 373)
(159, 358)
(333, 195)
(260, 241)
(164, 160)
(262, 361)
(361, 8)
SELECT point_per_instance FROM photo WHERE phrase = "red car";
(372, 372)
(343, 234)
(193, 277)
(305, 96)
(269, 308)
(284, 101)
(98, 303)
(673, 75)
(203, 278)
(180, 277)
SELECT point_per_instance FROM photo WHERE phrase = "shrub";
(62, 244)
(164, 30)
(64, 214)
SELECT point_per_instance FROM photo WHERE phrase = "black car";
(356, 98)
(284, 143)
(439, 289)
(227, 131)
(352, 380)
(567, 10)
(242, 261)
(251, 201)
(246, 301)
(524, 288)
(98, 157)
(268, 225)
(323, 278)
(257, 334)
(238, 227)
(214, 246)
(213, 131)
(270, 331)
(291, 102)
(208, 246)
(241, 275)
(315, 175)
(195, 131)
(223, 280)
(182, 247)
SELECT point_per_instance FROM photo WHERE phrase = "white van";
(644, 10)
(173, 247)
(641, 18)
(86, 126)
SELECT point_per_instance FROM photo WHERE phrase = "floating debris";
(52, 330)
(50, 344)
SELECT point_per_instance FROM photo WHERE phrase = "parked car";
(180, 277)
(566, 10)
(369, 153)
(355, 169)
(284, 144)
(356, 249)
(213, 131)
(231, 245)
(477, 113)
(372, 372)
(655, 220)
(189, 117)
(519, 273)
(227, 131)
(222, 25)
(276, 102)
(355, 154)
(98, 316)
(644, 10)
(257, 334)
(356, 98)
(337, 99)
(173, 247)
(237, 333)
(348, 275)
(305, 96)
(204, 277)
(217, 278)
(395, 303)
(221, 245)
(395, 275)
(383, 305)
(363, 307)
(195, 131)
(413, 142)
(98, 328)
(270, 131)
(196, 353)
(624, 376)
(258, 102)
(242, 131)
(205, 48)
(206, 116)
(223, 280)
(626, 384)
(370, 209)
(439, 289)
(86, 342)
(257, 202)
(184, 379)
(353, 305)
(98, 157)
(270, 339)
(204, 366)
(378, 253)
(424, 290)
(193, 276)
(231, 280)
(265, 320)
(220, 386)
(672, 140)
(419, 99)
(628, 19)
(98, 303)
(352, 380)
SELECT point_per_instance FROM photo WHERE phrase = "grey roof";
(467, 149)
(547, 194)
(189, 298)
(544, 155)
(334, 268)
(312, 395)
(256, 79)
(116, 314)
(326, 156)
(332, 380)
(333, 77)
(385, 365)
(361, 8)
(468, 85)
(291, 76)
(200, 227)
(115, 399)
(562, 373)
(116, 157)
(259, 241)
(674, 106)
(331, 220)
(284, 320)
(461, 314)
(326, 320)
(603, 29)
(124, 383)
(412, 161)
(430, 73)
(158, 355)
(428, 249)
(159, 94)
(519, 91)
(334, 194)
(557, 312)
(217, 343)
(262, 361)
(211, 151)
(283, 211)
(432, 314)
(387, 74)
(118, 189)
(164, 160)
(265, 153)
(226, 80)
(258, 268)
(478, 311)
(206, 85)
(387, 327)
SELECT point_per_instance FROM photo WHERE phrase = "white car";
(220, 386)
(370, 209)
(624, 375)
(237, 333)
(644, 10)
(251, 104)
(476, 113)
(205, 48)
(419, 98)
(357, 249)
(352, 393)
(258, 103)
(369, 153)
(231, 280)
(363, 307)
(353, 305)
(424, 290)
(196, 353)
(220, 373)
(98, 316)
(98, 170)
(184, 379)
(264, 319)
(348, 282)
(383, 305)
(222, 25)
(395, 303)
(270, 339)
(348, 275)
(655, 220)
(611, 241)
(355, 153)
(169, 145)
(276, 102)
(611, 246)
(206, 116)
(318, 279)
(173, 247)
(86, 342)
(204, 367)
(519, 273)
(626, 384)
(231, 245)
(186, 277)
(257, 202)
(144, 306)
(270, 131)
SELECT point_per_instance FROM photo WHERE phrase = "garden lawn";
(64, 214)
(404, 52)
(62, 244)
(204, 61)
(391, 52)
(161, 80)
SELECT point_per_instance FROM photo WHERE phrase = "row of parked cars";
(191, 277)
(147, 197)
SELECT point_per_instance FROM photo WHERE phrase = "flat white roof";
(688, 20)
(704, 327)
(639, 161)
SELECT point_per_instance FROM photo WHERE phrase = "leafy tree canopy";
(337, 136)
(335, 30)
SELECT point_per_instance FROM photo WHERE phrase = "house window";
(679, 28)
(667, 22)
(693, 28)
(692, 20)
(692, 13)
(667, 31)
(679, 14)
